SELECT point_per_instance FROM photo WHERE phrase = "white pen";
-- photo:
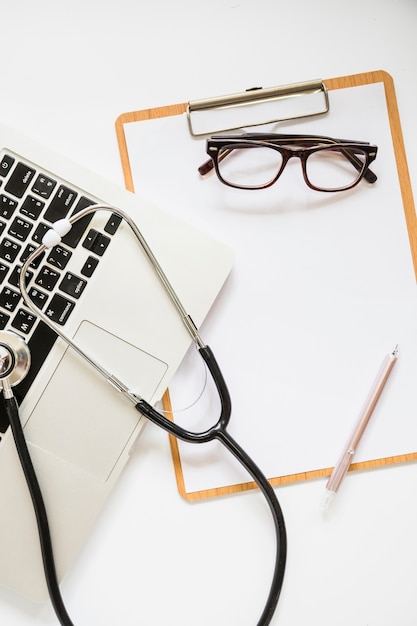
(345, 459)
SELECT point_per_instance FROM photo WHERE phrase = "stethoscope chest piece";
(14, 358)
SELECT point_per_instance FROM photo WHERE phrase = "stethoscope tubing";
(217, 432)
(39, 508)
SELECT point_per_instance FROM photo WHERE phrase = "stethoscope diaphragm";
(14, 357)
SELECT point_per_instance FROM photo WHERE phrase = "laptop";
(99, 287)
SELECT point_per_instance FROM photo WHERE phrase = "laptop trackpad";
(80, 417)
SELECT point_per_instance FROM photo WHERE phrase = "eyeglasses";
(257, 160)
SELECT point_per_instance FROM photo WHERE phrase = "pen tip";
(395, 351)
(327, 498)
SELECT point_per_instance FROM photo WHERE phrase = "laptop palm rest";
(80, 418)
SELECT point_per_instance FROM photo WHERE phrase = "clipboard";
(333, 84)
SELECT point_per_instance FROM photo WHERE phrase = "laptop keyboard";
(31, 200)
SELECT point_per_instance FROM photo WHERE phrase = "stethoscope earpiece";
(14, 358)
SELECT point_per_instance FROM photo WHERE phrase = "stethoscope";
(15, 363)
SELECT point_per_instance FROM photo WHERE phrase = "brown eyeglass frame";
(219, 147)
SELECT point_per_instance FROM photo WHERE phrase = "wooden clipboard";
(356, 80)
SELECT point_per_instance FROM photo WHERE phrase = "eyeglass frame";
(314, 143)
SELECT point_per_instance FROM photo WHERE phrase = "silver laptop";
(101, 289)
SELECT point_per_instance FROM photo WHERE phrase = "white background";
(68, 69)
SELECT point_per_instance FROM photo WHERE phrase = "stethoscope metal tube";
(62, 227)
(218, 431)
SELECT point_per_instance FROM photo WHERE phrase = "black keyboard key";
(38, 297)
(14, 279)
(9, 250)
(24, 321)
(7, 206)
(26, 254)
(89, 266)
(4, 269)
(44, 186)
(59, 309)
(73, 238)
(40, 231)
(60, 204)
(19, 180)
(112, 224)
(32, 207)
(4, 318)
(9, 299)
(83, 203)
(6, 164)
(47, 278)
(59, 257)
(20, 228)
(96, 242)
(2, 227)
(72, 285)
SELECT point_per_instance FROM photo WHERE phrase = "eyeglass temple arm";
(369, 175)
(208, 165)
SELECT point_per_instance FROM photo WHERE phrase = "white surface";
(65, 84)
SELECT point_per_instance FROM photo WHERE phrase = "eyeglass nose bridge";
(287, 154)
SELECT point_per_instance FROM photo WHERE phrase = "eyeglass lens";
(332, 169)
(257, 166)
(250, 168)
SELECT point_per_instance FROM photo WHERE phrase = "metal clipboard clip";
(257, 106)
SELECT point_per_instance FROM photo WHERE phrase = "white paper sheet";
(323, 287)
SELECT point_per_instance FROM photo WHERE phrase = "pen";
(345, 459)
